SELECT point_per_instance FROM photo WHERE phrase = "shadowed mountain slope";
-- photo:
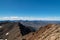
(25, 30)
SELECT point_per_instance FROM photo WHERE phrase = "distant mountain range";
(36, 24)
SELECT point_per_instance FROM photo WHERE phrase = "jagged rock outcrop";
(49, 32)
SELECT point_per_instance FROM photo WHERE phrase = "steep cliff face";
(49, 32)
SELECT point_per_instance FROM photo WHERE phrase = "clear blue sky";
(34, 8)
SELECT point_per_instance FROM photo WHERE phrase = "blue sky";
(30, 8)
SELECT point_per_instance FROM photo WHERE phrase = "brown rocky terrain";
(49, 32)
(10, 31)
(13, 31)
(17, 31)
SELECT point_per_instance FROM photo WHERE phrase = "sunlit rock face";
(49, 32)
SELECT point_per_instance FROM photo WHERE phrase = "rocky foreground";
(49, 32)
(17, 31)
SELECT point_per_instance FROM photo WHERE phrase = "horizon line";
(30, 18)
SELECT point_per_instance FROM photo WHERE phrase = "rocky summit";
(17, 31)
